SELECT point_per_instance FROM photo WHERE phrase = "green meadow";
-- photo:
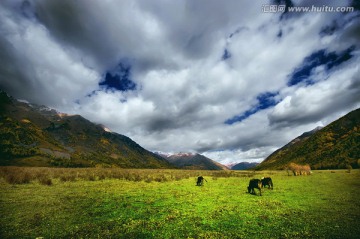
(110, 203)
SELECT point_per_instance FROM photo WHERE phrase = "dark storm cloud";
(13, 71)
(77, 26)
(30, 60)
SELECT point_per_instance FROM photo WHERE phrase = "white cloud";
(339, 93)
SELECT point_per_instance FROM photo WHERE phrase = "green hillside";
(32, 135)
(334, 146)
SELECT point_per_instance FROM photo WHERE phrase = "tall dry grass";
(47, 176)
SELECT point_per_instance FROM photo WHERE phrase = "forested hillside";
(334, 146)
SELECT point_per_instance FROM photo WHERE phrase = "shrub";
(67, 178)
(45, 181)
(91, 177)
(102, 176)
(21, 178)
(148, 179)
(348, 167)
(160, 178)
(299, 169)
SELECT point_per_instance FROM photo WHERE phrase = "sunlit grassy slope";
(323, 205)
(335, 146)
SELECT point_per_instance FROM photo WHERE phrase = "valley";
(136, 207)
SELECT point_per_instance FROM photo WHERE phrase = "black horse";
(254, 183)
(267, 182)
(200, 181)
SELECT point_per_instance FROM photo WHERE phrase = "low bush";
(45, 181)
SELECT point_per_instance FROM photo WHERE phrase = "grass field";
(107, 203)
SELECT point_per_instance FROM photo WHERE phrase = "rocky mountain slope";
(335, 146)
(32, 135)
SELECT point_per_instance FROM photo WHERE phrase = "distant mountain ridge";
(33, 135)
(243, 166)
(335, 146)
(193, 161)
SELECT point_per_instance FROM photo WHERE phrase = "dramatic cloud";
(225, 79)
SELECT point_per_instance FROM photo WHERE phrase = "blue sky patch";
(303, 73)
(265, 100)
(119, 79)
(226, 55)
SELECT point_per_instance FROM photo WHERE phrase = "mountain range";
(335, 146)
(33, 135)
(243, 166)
(193, 161)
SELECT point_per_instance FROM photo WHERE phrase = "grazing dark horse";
(267, 182)
(200, 181)
(254, 183)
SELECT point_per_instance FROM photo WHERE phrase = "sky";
(232, 80)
